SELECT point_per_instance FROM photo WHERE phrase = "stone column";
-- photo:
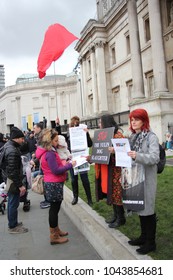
(101, 77)
(158, 55)
(85, 93)
(19, 122)
(136, 61)
(81, 87)
(68, 108)
(59, 105)
(94, 82)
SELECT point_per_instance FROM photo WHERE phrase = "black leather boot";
(120, 217)
(150, 244)
(142, 238)
(74, 201)
(114, 216)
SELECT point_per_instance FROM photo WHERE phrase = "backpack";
(162, 161)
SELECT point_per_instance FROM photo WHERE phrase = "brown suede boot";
(55, 238)
(60, 232)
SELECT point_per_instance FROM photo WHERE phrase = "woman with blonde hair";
(54, 176)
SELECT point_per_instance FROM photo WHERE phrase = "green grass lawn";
(164, 212)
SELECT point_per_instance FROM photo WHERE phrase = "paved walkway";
(35, 245)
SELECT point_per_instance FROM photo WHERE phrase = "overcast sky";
(23, 24)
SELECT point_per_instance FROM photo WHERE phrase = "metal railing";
(93, 123)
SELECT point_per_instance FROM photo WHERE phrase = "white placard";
(81, 162)
(122, 147)
(78, 139)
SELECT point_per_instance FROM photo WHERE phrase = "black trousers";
(53, 213)
(85, 183)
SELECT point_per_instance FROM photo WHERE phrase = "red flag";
(57, 39)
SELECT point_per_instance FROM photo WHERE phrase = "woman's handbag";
(37, 184)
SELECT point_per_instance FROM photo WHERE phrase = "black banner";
(101, 142)
(133, 198)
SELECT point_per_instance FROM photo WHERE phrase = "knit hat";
(62, 141)
(16, 133)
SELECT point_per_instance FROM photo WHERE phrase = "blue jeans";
(13, 204)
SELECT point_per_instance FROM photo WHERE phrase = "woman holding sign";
(145, 152)
(108, 178)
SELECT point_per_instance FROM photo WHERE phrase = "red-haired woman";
(145, 152)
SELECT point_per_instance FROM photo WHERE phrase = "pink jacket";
(51, 165)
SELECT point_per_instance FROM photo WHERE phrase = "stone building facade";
(31, 99)
(2, 77)
(126, 60)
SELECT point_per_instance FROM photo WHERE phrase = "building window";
(127, 43)
(147, 28)
(113, 55)
(116, 105)
(90, 102)
(169, 7)
(150, 82)
(89, 67)
(129, 85)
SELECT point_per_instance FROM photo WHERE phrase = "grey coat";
(149, 157)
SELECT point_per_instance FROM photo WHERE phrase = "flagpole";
(55, 90)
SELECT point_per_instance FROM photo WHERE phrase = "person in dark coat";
(58, 126)
(14, 171)
(110, 188)
(44, 122)
(2, 142)
(84, 175)
(31, 143)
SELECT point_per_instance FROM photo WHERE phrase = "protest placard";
(101, 143)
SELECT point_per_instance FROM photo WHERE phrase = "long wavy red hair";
(142, 115)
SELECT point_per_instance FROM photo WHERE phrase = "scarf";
(136, 140)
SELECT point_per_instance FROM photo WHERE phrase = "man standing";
(44, 122)
(14, 172)
(58, 126)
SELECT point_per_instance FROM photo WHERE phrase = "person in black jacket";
(2, 143)
(84, 175)
(14, 171)
(58, 126)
